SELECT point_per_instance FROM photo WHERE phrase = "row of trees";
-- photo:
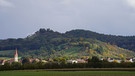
(92, 63)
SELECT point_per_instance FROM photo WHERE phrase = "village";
(72, 61)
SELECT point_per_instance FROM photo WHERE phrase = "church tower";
(16, 56)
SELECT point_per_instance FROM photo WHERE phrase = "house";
(110, 60)
(118, 60)
(101, 59)
(36, 60)
(11, 61)
(72, 61)
(2, 62)
(32, 60)
(44, 61)
(129, 60)
(81, 61)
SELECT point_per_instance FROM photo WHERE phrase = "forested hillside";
(127, 42)
(75, 43)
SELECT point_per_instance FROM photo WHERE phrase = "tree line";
(92, 63)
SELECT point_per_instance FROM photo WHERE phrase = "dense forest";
(47, 42)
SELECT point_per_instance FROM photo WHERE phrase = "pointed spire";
(16, 53)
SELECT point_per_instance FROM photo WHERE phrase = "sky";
(20, 18)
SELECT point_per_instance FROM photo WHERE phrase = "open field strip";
(66, 73)
(93, 69)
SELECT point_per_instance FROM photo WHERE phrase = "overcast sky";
(19, 18)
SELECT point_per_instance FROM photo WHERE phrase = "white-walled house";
(117, 60)
(129, 60)
(110, 59)
(72, 61)
(2, 62)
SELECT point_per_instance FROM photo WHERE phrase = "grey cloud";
(131, 3)
(5, 3)
(104, 16)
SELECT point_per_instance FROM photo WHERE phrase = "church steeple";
(16, 56)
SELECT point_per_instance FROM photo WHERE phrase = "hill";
(75, 43)
(126, 42)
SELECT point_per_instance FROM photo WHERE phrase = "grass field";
(66, 73)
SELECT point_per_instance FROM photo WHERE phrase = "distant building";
(15, 59)
(2, 62)
(44, 61)
(72, 61)
(81, 61)
(32, 60)
(118, 60)
(101, 59)
(16, 56)
(110, 60)
(129, 60)
(11, 60)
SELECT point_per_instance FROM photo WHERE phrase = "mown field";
(66, 73)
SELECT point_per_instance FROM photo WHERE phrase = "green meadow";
(66, 73)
